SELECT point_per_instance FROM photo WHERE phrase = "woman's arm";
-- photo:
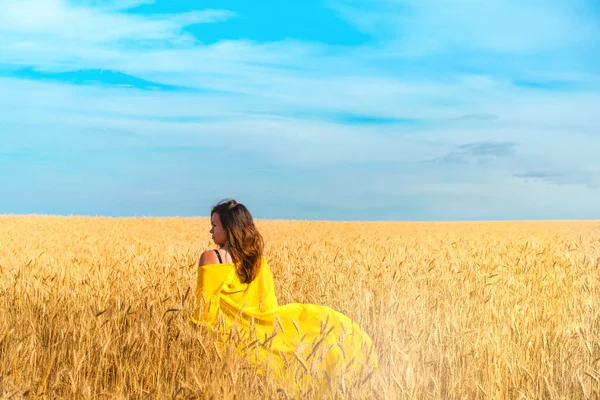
(208, 285)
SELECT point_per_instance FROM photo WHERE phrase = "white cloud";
(278, 124)
(48, 21)
(114, 5)
(506, 26)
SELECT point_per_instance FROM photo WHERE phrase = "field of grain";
(99, 307)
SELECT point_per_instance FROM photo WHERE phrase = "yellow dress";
(299, 341)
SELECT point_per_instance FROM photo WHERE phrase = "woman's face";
(219, 235)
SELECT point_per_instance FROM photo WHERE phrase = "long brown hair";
(245, 242)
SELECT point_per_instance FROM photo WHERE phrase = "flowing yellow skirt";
(298, 341)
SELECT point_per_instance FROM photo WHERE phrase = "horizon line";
(99, 216)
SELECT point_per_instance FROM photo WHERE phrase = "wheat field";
(100, 307)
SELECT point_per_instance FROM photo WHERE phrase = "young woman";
(235, 289)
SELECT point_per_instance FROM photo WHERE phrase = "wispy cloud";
(491, 149)
(113, 5)
(480, 152)
(58, 35)
(92, 77)
(587, 179)
(477, 117)
(59, 20)
(422, 26)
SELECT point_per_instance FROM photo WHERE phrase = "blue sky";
(320, 109)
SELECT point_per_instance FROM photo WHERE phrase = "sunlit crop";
(100, 307)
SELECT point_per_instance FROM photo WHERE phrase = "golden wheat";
(99, 307)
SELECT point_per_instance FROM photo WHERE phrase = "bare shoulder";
(208, 257)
